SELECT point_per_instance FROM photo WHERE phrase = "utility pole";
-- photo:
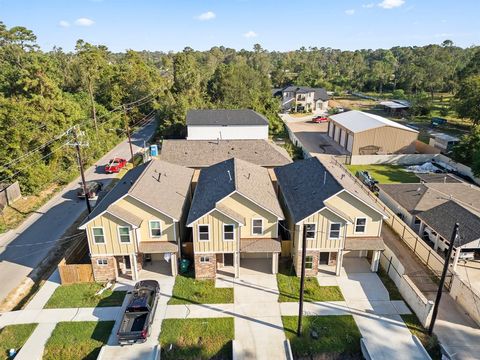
(127, 127)
(76, 143)
(442, 279)
(302, 281)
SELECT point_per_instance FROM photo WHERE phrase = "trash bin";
(153, 150)
(184, 264)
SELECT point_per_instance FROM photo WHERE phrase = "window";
(334, 231)
(124, 234)
(98, 236)
(204, 259)
(360, 225)
(102, 262)
(309, 262)
(155, 230)
(203, 233)
(417, 221)
(257, 226)
(228, 232)
(310, 231)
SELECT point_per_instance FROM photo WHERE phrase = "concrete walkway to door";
(258, 325)
(369, 302)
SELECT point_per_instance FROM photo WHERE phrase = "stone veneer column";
(308, 272)
(104, 273)
(205, 270)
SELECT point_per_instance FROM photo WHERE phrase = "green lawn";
(289, 288)
(14, 337)
(389, 284)
(77, 340)
(429, 342)
(197, 338)
(187, 290)
(386, 174)
(338, 337)
(83, 295)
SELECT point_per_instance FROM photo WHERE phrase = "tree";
(467, 151)
(467, 99)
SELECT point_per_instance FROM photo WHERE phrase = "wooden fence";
(71, 271)
(286, 247)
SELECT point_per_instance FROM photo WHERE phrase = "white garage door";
(343, 134)
(350, 142)
(255, 255)
(337, 134)
(330, 129)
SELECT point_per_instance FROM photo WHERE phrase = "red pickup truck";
(115, 165)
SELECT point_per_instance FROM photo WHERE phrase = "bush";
(398, 94)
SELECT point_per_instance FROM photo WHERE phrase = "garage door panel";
(255, 256)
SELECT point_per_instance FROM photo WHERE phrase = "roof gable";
(305, 185)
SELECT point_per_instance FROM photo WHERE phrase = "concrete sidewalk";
(45, 293)
(35, 345)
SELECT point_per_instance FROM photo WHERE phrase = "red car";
(115, 165)
(319, 119)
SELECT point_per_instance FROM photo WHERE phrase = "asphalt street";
(22, 249)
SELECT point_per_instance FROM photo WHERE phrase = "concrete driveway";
(18, 253)
(258, 324)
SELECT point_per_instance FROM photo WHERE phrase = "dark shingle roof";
(442, 219)
(225, 117)
(203, 153)
(220, 180)
(305, 185)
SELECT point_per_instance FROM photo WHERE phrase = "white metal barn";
(226, 125)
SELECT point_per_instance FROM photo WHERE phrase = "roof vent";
(229, 175)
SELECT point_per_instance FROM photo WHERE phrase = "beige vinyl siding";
(112, 243)
(322, 220)
(355, 208)
(249, 210)
(146, 213)
(215, 220)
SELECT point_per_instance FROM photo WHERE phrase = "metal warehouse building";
(362, 133)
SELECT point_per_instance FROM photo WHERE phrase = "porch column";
(339, 262)
(274, 263)
(455, 259)
(375, 261)
(421, 228)
(236, 261)
(133, 262)
(174, 264)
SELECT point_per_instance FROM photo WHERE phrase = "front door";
(324, 258)
(228, 259)
(126, 259)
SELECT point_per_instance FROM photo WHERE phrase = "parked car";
(93, 188)
(367, 180)
(115, 165)
(138, 317)
(319, 119)
(436, 121)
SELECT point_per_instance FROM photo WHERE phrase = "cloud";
(84, 22)
(350, 11)
(390, 4)
(64, 23)
(250, 34)
(209, 15)
(368, 6)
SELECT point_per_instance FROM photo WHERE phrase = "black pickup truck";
(139, 314)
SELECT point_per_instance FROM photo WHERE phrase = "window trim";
(203, 257)
(102, 260)
(364, 226)
(306, 262)
(198, 232)
(119, 236)
(330, 231)
(314, 231)
(233, 232)
(150, 228)
(103, 234)
(252, 232)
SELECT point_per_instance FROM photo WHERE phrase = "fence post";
(403, 234)
(415, 247)
(389, 264)
(428, 257)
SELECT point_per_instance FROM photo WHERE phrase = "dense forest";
(42, 94)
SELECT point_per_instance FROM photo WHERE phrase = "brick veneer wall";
(332, 261)
(104, 273)
(205, 270)
(298, 263)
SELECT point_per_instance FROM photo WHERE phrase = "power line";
(67, 238)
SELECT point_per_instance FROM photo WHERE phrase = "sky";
(275, 24)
